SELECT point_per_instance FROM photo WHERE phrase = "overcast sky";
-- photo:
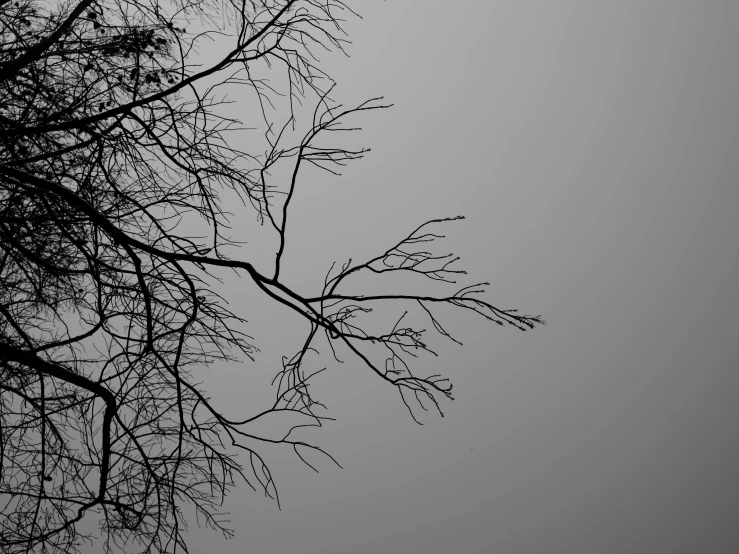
(594, 147)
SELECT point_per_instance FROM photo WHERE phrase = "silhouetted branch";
(118, 176)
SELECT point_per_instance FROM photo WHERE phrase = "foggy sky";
(593, 147)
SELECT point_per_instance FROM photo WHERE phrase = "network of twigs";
(111, 144)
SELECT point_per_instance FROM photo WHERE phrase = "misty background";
(593, 147)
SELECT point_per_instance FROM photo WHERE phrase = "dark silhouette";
(113, 151)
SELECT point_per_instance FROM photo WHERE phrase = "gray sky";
(593, 146)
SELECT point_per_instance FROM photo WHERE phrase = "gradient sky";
(594, 148)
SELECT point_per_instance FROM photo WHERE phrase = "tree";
(114, 152)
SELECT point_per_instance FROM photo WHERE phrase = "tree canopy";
(115, 159)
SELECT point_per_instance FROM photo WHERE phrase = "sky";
(594, 148)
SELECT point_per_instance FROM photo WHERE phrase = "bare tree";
(113, 146)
